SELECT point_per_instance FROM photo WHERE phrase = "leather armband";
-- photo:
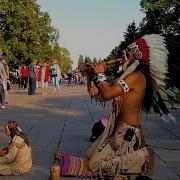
(123, 84)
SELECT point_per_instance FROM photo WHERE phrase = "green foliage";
(26, 32)
(95, 60)
(81, 60)
(131, 33)
(63, 57)
(87, 59)
(158, 4)
(162, 16)
(178, 96)
(81, 63)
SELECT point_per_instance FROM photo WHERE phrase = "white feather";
(130, 69)
(158, 57)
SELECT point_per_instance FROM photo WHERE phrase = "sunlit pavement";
(66, 118)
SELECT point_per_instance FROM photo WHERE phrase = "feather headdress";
(160, 55)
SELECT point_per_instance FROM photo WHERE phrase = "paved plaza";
(67, 118)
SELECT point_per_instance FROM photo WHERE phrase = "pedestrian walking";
(24, 76)
(45, 77)
(32, 78)
(6, 67)
(38, 76)
(3, 81)
(56, 75)
(69, 75)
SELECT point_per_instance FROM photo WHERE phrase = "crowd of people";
(32, 77)
(35, 76)
(39, 75)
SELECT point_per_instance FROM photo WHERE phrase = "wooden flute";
(106, 63)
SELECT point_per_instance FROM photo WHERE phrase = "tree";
(26, 33)
(81, 60)
(95, 60)
(87, 59)
(63, 57)
(162, 16)
(131, 33)
(81, 63)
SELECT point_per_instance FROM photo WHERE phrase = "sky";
(91, 27)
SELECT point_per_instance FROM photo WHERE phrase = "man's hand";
(95, 68)
(99, 67)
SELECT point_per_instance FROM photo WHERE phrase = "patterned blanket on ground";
(74, 166)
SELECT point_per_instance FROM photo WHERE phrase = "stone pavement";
(68, 117)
